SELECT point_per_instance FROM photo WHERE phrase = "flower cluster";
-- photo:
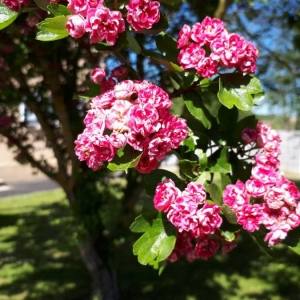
(195, 219)
(104, 24)
(206, 46)
(93, 17)
(133, 113)
(267, 198)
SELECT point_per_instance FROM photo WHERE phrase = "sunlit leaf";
(7, 16)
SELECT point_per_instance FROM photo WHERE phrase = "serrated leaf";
(189, 143)
(194, 104)
(222, 165)
(129, 159)
(150, 181)
(7, 16)
(156, 244)
(56, 25)
(58, 9)
(140, 224)
(238, 90)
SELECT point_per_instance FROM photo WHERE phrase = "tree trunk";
(104, 284)
(95, 247)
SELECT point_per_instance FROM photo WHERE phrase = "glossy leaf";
(43, 4)
(7, 16)
(222, 165)
(133, 43)
(197, 109)
(214, 192)
(129, 158)
(167, 46)
(58, 10)
(156, 244)
(189, 168)
(55, 25)
(238, 90)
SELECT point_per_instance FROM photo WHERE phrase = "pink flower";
(249, 216)
(144, 119)
(207, 31)
(207, 67)
(146, 164)
(104, 24)
(156, 96)
(191, 56)
(249, 135)
(124, 90)
(235, 195)
(209, 219)
(120, 72)
(97, 75)
(75, 26)
(142, 14)
(275, 237)
(206, 248)
(107, 85)
(184, 36)
(165, 194)
(196, 192)
(275, 196)
(159, 146)
(15, 5)
(183, 213)
(104, 101)
(255, 188)
(118, 140)
(117, 117)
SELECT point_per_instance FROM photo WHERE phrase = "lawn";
(40, 260)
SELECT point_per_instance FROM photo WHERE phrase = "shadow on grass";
(40, 261)
(37, 256)
(245, 273)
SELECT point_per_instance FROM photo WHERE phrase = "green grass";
(40, 260)
(39, 257)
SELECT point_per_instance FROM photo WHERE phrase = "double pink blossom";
(207, 46)
(142, 14)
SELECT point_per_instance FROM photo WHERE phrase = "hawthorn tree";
(228, 177)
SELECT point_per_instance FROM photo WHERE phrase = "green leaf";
(229, 214)
(151, 180)
(120, 43)
(197, 109)
(293, 240)
(189, 143)
(202, 159)
(171, 2)
(129, 159)
(167, 46)
(189, 168)
(225, 180)
(159, 58)
(222, 165)
(140, 224)
(43, 4)
(52, 29)
(214, 192)
(55, 25)
(228, 236)
(7, 16)
(133, 43)
(46, 36)
(156, 244)
(238, 90)
(58, 10)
